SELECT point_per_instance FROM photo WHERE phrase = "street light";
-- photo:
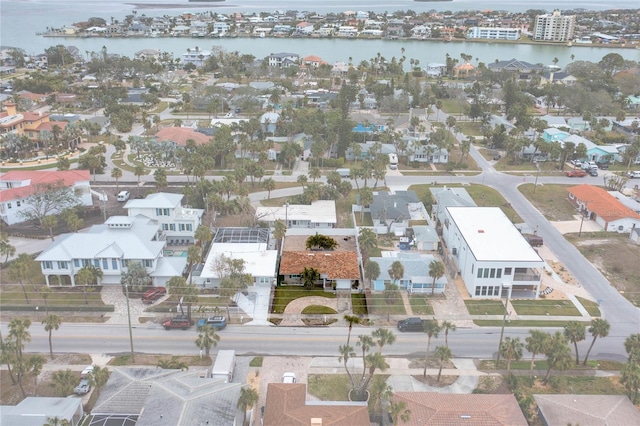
(286, 215)
(37, 316)
(126, 289)
(506, 286)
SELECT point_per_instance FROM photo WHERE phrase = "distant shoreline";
(196, 4)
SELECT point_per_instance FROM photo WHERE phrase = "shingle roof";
(437, 409)
(335, 265)
(156, 200)
(587, 410)
(393, 206)
(286, 405)
(602, 203)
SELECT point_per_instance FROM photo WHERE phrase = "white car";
(82, 388)
(289, 377)
(87, 372)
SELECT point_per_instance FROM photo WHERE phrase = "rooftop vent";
(480, 231)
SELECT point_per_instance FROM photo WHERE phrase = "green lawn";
(366, 219)
(453, 106)
(420, 305)
(485, 307)
(12, 295)
(318, 309)
(522, 323)
(358, 304)
(380, 307)
(470, 128)
(551, 200)
(590, 306)
(329, 387)
(285, 294)
(545, 307)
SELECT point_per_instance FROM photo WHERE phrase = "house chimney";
(10, 107)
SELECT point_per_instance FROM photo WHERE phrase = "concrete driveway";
(573, 226)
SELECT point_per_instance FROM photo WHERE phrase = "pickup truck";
(178, 322)
(411, 324)
(576, 173)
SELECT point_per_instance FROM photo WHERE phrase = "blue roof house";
(416, 273)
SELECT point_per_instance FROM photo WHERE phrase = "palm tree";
(100, 376)
(399, 412)
(57, 421)
(443, 354)
(351, 320)
(632, 345)
(63, 382)
(116, 173)
(436, 270)
(537, 343)
(172, 364)
(599, 328)
(447, 326)
(309, 277)
(248, 398)
(207, 338)
(18, 335)
(630, 377)
(366, 198)
(269, 185)
(88, 275)
(396, 271)
(383, 337)
(574, 331)
(19, 271)
(371, 270)
(510, 350)
(431, 328)
(51, 322)
(367, 240)
(314, 174)
(194, 256)
(558, 354)
(202, 235)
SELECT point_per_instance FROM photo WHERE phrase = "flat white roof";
(258, 261)
(322, 211)
(491, 236)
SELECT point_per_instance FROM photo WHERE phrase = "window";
(8, 205)
(162, 212)
(96, 263)
(62, 265)
(85, 262)
(484, 290)
(186, 227)
(114, 264)
(477, 291)
(47, 264)
(479, 273)
(123, 263)
(507, 271)
(493, 273)
(486, 273)
(147, 263)
(18, 203)
(499, 273)
(76, 263)
(496, 291)
(105, 264)
(165, 227)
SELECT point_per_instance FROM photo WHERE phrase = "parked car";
(411, 324)
(576, 173)
(634, 175)
(88, 371)
(180, 321)
(534, 240)
(83, 387)
(588, 165)
(603, 166)
(123, 196)
(218, 322)
(289, 377)
(576, 163)
(497, 157)
(153, 294)
(593, 172)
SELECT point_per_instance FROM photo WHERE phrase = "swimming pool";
(175, 253)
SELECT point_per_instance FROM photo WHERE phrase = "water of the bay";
(21, 20)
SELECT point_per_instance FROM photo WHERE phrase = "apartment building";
(493, 33)
(554, 27)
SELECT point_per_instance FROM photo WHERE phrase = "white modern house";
(111, 247)
(178, 223)
(195, 56)
(493, 33)
(318, 214)
(252, 245)
(492, 256)
(17, 185)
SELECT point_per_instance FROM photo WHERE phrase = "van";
(344, 173)
(224, 365)
(634, 175)
(393, 161)
(123, 195)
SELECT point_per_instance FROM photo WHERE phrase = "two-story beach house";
(492, 256)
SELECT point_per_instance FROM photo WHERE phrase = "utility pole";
(504, 320)
(126, 287)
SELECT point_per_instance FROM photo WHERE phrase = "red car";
(180, 321)
(154, 294)
(576, 173)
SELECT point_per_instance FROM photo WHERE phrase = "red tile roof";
(602, 203)
(286, 406)
(48, 125)
(180, 135)
(436, 409)
(335, 265)
(68, 178)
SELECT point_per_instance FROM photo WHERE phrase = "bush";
(333, 162)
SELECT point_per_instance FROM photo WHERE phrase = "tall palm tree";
(632, 345)
(383, 337)
(574, 331)
(51, 322)
(19, 271)
(431, 328)
(18, 335)
(396, 271)
(116, 173)
(447, 326)
(248, 398)
(63, 382)
(630, 378)
(436, 270)
(537, 343)
(194, 256)
(351, 320)
(207, 338)
(558, 354)
(599, 328)
(510, 350)
(443, 354)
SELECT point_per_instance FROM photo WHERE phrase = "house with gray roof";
(178, 223)
(586, 410)
(448, 197)
(156, 397)
(34, 411)
(111, 247)
(391, 213)
(428, 153)
(515, 65)
(416, 277)
(425, 237)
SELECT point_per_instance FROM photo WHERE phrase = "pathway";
(292, 316)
